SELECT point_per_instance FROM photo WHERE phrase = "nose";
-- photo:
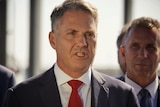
(143, 53)
(82, 41)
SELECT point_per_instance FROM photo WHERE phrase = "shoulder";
(7, 76)
(5, 72)
(35, 82)
(8, 79)
(110, 81)
(32, 88)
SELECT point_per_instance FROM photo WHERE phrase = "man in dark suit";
(7, 80)
(141, 51)
(74, 37)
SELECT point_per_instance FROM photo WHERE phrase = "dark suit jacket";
(42, 91)
(7, 80)
(122, 78)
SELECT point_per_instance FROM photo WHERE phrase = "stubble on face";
(74, 56)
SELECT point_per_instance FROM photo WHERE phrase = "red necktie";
(75, 100)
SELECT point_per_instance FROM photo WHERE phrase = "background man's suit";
(122, 78)
(7, 80)
(43, 92)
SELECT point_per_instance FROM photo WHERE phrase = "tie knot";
(144, 93)
(75, 84)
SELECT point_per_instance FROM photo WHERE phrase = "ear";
(52, 39)
(122, 50)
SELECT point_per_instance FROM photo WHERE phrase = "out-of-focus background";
(25, 24)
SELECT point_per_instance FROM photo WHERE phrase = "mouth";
(143, 65)
(80, 54)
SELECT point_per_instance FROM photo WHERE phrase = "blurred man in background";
(141, 51)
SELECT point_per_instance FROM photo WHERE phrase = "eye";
(135, 46)
(90, 34)
(151, 47)
(72, 32)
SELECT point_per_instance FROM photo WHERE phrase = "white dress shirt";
(65, 90)
(152, 88)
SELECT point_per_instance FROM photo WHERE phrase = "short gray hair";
(146, 22)
(58, 11)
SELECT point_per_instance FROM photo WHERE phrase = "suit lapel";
(51, 98)
(99, 92)
(49, 93)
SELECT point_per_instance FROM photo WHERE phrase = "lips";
(142, 64)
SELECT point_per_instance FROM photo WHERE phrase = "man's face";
(142, 53)
(75, 41)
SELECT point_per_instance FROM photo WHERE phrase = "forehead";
(142, 35)
(77, 19)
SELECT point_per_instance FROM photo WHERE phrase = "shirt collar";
(62, 77)
(152, 88)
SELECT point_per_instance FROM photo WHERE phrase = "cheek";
(129, 58)
(159, 57)
(92, 43)
(155, 57)
(121, 58)
(93, 47)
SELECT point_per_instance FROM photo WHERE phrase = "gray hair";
(58, 11)
(146, 22)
